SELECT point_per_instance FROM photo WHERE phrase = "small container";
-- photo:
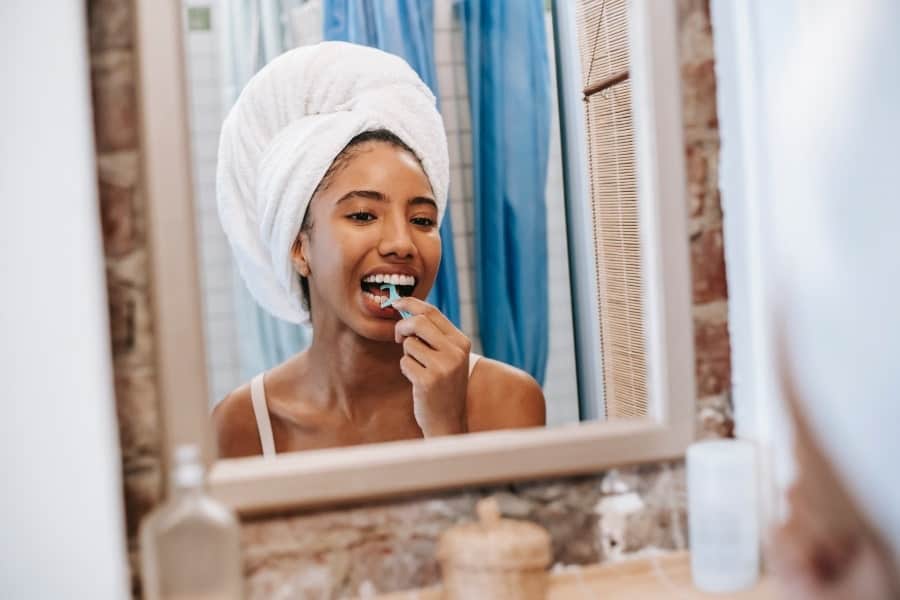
(723, 518)
(494, 558)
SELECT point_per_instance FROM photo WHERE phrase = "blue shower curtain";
(509, 95)
(404, 28)
(253, 34)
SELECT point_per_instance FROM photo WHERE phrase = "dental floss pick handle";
(393, 296)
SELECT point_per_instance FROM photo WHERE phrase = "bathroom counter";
(668, 576)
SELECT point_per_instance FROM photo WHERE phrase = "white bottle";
(190, 546)
(723, 517)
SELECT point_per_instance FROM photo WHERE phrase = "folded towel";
(288, 125)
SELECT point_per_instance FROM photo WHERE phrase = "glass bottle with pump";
(190, 546)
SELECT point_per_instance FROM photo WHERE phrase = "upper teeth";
(394, 279)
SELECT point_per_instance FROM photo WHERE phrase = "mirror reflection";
(381, 220)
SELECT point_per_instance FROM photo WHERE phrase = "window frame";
(656, 103)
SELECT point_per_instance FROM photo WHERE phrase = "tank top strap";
(473, 360)
(261, 411)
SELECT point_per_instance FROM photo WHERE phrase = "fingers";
(419, 351)
(423, 328)
(438, 362)
(420, 308)
(411, 369)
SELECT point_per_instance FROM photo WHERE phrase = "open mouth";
(371, 285)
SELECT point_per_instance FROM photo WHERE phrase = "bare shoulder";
(501, 396)
(235, 425)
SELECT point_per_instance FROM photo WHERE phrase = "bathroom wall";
(61, 513)
(391, 544)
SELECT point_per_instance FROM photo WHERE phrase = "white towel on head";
(288, 125)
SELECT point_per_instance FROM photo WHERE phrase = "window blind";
(603, 39)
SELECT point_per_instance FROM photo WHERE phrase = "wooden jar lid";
(495, 543)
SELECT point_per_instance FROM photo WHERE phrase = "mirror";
(575, 306)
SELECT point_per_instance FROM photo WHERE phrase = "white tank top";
(261, 408)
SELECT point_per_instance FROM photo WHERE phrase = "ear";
(300, 254)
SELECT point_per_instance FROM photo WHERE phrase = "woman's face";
(375, 221)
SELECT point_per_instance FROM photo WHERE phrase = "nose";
(396, 239)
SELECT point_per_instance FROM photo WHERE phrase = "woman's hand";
(436, 362)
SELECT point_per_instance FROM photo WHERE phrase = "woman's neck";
(354, 374)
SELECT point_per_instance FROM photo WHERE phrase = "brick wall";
(710, 290)
(122, 214)
(391, 545)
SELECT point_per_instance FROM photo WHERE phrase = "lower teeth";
(375, 298)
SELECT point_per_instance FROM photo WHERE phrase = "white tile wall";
(454, 103)
(202, 49)
(215, 258)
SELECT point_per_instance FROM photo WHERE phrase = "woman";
(332, 181)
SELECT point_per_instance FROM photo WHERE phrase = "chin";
(377, 330)
(372, 323)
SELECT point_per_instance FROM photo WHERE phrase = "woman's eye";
(423, 222)
(363, 217)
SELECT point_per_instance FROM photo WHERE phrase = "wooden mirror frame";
(324, 477)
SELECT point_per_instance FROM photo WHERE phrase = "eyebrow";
(374, 195)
